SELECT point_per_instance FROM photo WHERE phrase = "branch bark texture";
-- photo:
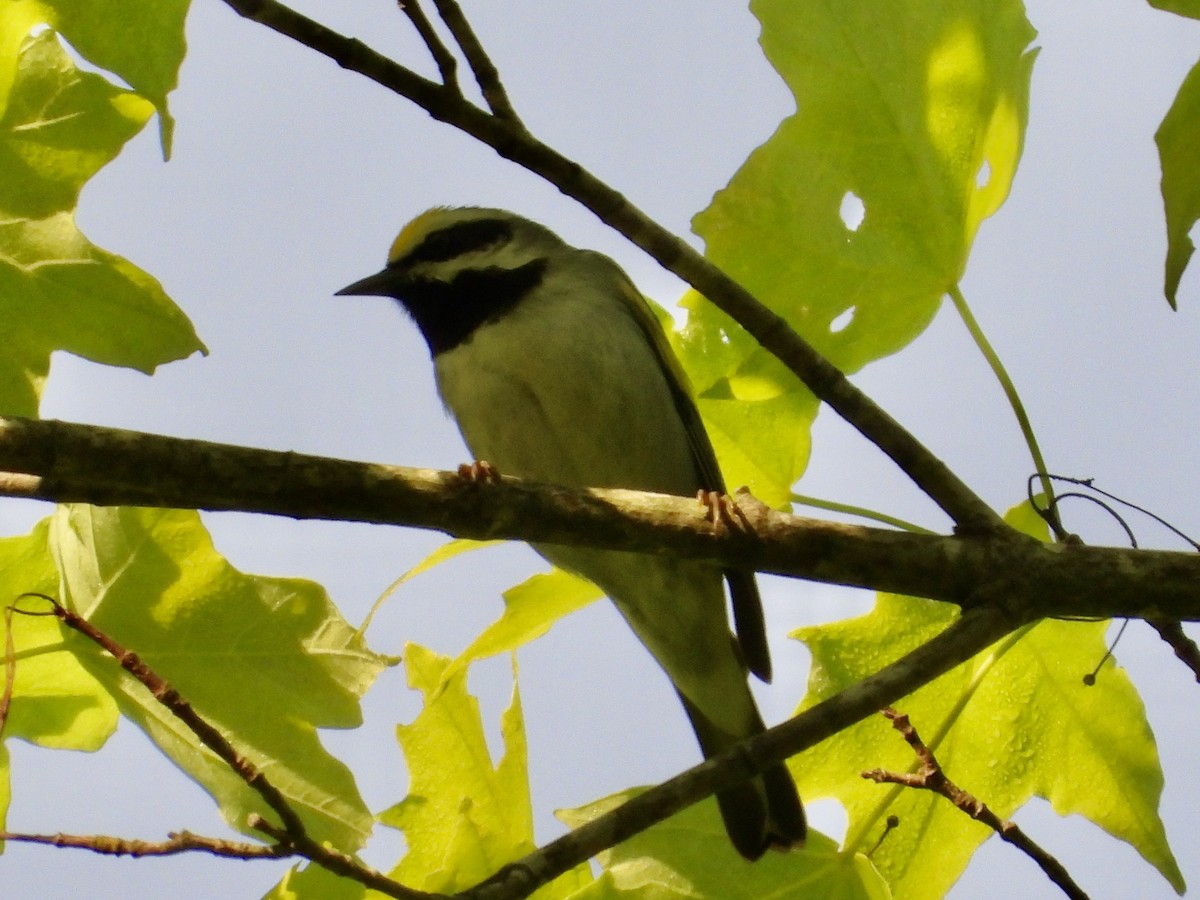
(65, 462)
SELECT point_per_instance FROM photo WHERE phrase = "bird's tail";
(761, 813)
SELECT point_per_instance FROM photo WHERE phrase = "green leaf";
(55, 702)
(444, 553)
(267, 661)
(311, 882)
(530, 609)
(58, 291)
(1188, 8)
(1178, 140)
(463, 817)
(918, 113)
(142, 43)
(689, 856)
(767, 467)
(1015, 722)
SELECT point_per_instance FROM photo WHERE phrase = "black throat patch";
(448, 313)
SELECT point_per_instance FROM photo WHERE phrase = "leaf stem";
(1014, 401)
(861, 512)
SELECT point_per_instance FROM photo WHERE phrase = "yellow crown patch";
(413, 233)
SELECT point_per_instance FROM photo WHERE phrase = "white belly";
(572, 393)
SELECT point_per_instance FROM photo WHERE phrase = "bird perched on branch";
(556, 370)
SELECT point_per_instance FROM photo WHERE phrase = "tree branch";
(446, 63)
(486, 75)
(176, 843)
(179, 707)
(932, 777)
(959, 642)
(1185, 648)
(292, 838)
(510, 139)
(65, 462)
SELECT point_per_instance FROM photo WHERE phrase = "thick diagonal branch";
(958, 643)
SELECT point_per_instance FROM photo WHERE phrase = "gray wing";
(743, 588)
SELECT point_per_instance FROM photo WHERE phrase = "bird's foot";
(479, 472)
(722, 510)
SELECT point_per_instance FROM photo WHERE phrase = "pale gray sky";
(290, 178)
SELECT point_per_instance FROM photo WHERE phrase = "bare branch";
(66, 463)
(931, 777)
(1171, 631)
(342, 864)
(291, 838)
(959, 642)
(446, 63)
(177, 842)
(486, 75)
(182, 710)
(508, 138)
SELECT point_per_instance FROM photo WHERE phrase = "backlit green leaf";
(689, 856)
(464, 817)
(858, 214)
(530, 609)
(55, 702)
(1013, 723)
(267, 661)
(58, 291)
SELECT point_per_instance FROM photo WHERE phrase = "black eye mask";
(458, 240)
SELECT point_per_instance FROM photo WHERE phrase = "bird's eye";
(459, 239)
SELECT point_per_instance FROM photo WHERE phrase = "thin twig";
(343, 864)
(446, 63)
(292, 837)
(931, 777)
(177, 842)
(960, 641)
(486, 74)
(1171, 631)
(182, 710)
(508, 138)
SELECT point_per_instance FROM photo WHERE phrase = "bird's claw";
(722, 510)
(479, 472)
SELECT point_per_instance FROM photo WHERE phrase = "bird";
(555, 369)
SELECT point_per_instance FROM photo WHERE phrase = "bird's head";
(455, 268)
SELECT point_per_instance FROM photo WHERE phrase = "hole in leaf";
(842, 320)
(852, 211)
(984, 175)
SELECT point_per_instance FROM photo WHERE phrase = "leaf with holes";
(858, 214)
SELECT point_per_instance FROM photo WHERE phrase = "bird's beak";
(381, 284)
